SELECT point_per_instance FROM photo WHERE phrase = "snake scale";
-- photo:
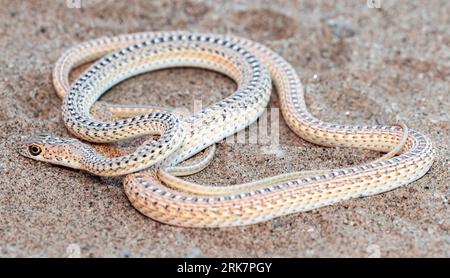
(254, 68)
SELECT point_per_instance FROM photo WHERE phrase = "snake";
(164, 197)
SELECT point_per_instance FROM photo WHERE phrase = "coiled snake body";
(253, 67)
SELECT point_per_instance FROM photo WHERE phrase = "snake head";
(52, 149)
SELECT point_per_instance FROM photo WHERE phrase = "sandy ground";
(359, 65)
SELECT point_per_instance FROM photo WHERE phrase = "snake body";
(273, 197)
(167, 50)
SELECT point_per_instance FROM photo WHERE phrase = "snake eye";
(34, 150)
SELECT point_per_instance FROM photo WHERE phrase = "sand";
(360, 65)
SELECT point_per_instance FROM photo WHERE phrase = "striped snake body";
(167, 50)
(192, 205)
